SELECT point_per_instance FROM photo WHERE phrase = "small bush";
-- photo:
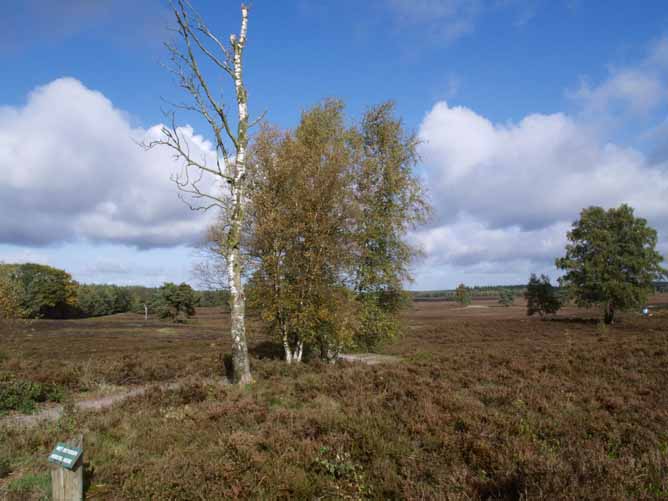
(506, 297)
(32, 483)
(541, 297)
(5, 468)
(463, 295)
(175, 302)
(18, 395)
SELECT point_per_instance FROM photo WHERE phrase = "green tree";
(389, 201)
(541, 297)
(10, 300)
(611, 260)
(463, 295)
(121, 299)
(219, 298)
(96, 300)
(329, 208)
(175, 302)
(45, 291)
(140, 298)
(506, 297)
(300, 241)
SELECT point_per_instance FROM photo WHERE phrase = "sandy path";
(53, 413)
(369, 358)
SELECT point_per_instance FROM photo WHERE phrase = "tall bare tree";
(197, 48)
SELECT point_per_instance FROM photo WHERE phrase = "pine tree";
(541, 296)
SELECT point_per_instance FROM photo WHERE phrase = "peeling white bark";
(292, 354)
(241, 363)
(288, 351)
(233, 171)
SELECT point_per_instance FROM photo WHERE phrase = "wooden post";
(67, 485)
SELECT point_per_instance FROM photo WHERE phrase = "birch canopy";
(198, 57)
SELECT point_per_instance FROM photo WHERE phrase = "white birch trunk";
(300, 351)
(288, 351)
(240, 360)
(292, 354)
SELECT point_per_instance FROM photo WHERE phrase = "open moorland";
(483, 403)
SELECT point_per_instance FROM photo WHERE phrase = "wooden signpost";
(67, 472)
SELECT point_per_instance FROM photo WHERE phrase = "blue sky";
(528, 110)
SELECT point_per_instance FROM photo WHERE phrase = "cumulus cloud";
(469, 241)
(509, 192)
(71, 169)
(638, 90)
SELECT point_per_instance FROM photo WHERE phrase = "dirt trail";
(55, 412)
(369, 358)
(93, 404)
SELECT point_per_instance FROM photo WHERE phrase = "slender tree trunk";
(242, 374)
(292, 355)
(286, 345)
(288, 351)
(241, 365)
(233, 170)
(609, 314)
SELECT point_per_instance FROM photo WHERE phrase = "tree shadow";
(574, 320)
(228, 365)
(509, 487)
(267, 350)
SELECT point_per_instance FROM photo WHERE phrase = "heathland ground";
(484, 403)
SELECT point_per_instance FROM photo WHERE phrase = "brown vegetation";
(485, 404)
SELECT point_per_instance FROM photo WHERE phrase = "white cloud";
(640, 91)
(508, 192)
(638, 88)
(446, 19)
(71, 169)
(469, 241)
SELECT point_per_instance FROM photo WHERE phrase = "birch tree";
(197, 48)
(390, 202)
(329, 209)
(299, 243)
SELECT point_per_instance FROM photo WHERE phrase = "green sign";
(65, 455)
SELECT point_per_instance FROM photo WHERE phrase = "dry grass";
(485, 404)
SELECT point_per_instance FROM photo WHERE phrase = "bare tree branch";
(194, 35)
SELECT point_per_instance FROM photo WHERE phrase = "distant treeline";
(477, 292)
(47, 292)
(491, 292)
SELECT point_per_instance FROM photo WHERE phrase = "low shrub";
(20, 395)
(5, 468)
